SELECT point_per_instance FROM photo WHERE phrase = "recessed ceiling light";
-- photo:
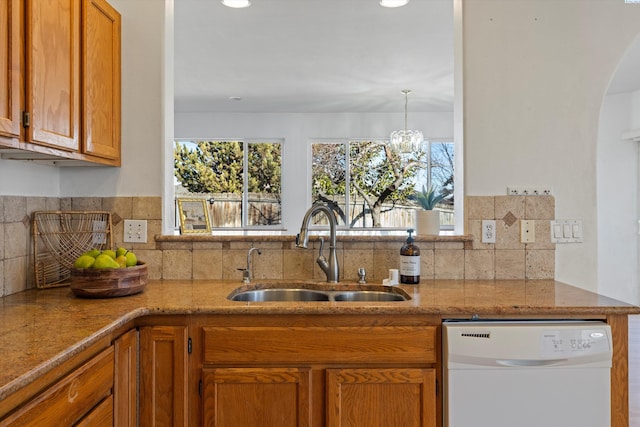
(393, 3)
(238, 4)
(235, 98)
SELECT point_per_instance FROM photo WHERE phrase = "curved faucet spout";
(330, 268)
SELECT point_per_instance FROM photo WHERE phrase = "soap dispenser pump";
(410, 262)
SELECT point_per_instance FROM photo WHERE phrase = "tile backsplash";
(210, 257)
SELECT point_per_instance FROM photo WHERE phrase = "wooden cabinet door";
(125, 379)
(240, 397)
(163, 376)
(53, 73)
(101, 79)
(10, 69)
(401, 397)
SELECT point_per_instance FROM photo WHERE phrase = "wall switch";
(566, 231)
(488, 231)
(528, 191)
(99, 232)
(527, 231)
(135, 230)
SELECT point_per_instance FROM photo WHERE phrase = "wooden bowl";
(108, 283)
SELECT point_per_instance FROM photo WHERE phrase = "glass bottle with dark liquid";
(410, 262)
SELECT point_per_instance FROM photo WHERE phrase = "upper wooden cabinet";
(10, 68)
(67, 81)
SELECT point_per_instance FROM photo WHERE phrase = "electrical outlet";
(527, 231)
(135, 230)
(488, 231)
(528, 191)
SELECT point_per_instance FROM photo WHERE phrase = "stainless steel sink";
(368, 296)
(280, 294)
(337, 293)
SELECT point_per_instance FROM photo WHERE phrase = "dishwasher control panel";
(573, 342)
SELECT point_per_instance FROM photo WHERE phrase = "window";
(369, 185)
(241, 180)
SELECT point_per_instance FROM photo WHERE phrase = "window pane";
(212, 170)
(264, 182)
(381, 182)
(328, 178)
(442, 161)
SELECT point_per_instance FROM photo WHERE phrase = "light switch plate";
(527, 231)
(135, 231)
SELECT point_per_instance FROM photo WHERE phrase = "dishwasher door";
(527, 374)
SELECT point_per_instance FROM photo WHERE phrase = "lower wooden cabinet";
(163, 376)
(377, 396)
(238, 397)
(78, 396)
(125, 379)
(330, 373)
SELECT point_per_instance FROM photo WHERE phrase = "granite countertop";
(43, 328)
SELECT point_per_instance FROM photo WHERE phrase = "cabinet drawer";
(377, 344)
(71, 398)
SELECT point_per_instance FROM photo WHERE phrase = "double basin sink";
(318, 292)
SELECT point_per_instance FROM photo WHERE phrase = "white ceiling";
(323, 56)
(313, 56)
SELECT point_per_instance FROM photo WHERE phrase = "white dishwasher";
(527, 373)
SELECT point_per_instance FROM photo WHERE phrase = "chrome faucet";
(329, 267)
(246, 272)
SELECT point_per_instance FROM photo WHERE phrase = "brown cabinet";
(63, 88)
(84, 393)
(402, 397)
(163, 376)
(125, 379)
(303, 371)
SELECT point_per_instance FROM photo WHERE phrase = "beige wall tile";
(177, 264)
(508, 237)
(120, 206)
(297, 264)
(207, 264)
(2, 208)
(448, 264)
(15, 208)
(52, 204)
(540, 207)
(16, 239)
(2, 241)
(86, 204)
(383, 260)
(232, 260)
(147, 208)
(479, 207)
(267, 265)
(513, 204)
(153, 260)
(15, 275)
(427, 266)
(510, 264)
(540, 264)
(353, 260)
(479, 264)
(542, 235)
(2, 291)
(36, 204)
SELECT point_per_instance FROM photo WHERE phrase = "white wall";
(535, 73)
(142, 119)
(21, 178)
(295, 130)
(617, 196)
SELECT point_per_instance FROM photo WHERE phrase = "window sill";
(247, 236)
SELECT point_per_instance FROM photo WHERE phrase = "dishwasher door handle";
(519, 363)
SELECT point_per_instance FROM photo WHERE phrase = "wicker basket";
(107, 283)
(59, 237)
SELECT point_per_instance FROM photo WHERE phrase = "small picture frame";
(194, 216)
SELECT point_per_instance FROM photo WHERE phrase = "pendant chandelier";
(406, 141)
